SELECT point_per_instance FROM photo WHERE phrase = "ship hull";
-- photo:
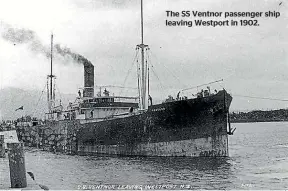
(189, 148)
(190, 127)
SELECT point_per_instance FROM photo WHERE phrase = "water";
(258, 160)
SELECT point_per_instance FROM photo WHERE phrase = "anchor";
(230, 132)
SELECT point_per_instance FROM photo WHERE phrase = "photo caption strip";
(136, 187)
(216, 19)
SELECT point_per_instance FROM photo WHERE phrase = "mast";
(142, 46)
(50, 92)
(51, 74)
(142, 35)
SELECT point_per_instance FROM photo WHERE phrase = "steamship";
(118, 125)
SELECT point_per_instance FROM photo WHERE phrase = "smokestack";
(88, 69)
(88, 80)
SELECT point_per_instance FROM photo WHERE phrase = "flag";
(20, 108)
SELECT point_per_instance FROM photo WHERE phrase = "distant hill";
(31, 100)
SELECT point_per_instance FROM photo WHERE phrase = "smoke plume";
(24, 36)
(30, 38)
(64, 51)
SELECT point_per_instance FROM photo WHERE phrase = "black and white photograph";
(143, 95)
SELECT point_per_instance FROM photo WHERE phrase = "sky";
(252, 60)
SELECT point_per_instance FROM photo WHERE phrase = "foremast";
(50, 88)
(143, 78)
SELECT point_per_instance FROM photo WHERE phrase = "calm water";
(258, 160)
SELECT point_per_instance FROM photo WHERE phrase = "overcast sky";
(252, 60)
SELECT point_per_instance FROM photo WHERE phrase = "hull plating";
(191, 148)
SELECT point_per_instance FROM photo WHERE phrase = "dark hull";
(192, 127)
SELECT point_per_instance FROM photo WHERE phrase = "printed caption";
(216, 19)
(136, 187)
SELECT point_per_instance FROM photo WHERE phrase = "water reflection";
(184, 163)
(185, 170)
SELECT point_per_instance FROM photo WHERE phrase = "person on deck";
(91, 114)
(150, 99)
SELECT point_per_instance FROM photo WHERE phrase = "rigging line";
(35, 106)
(149, 81)
(201, 85)
(116, 112)
(129, 71)
(59, 91)
(168, 70)
(267, 98)
(125, 93)
(161, 85)
(152, 67)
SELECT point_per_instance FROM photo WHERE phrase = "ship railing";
(110, 117)
(89, 120)
(121, 97)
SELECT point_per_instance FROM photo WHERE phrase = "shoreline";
(257, 121)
